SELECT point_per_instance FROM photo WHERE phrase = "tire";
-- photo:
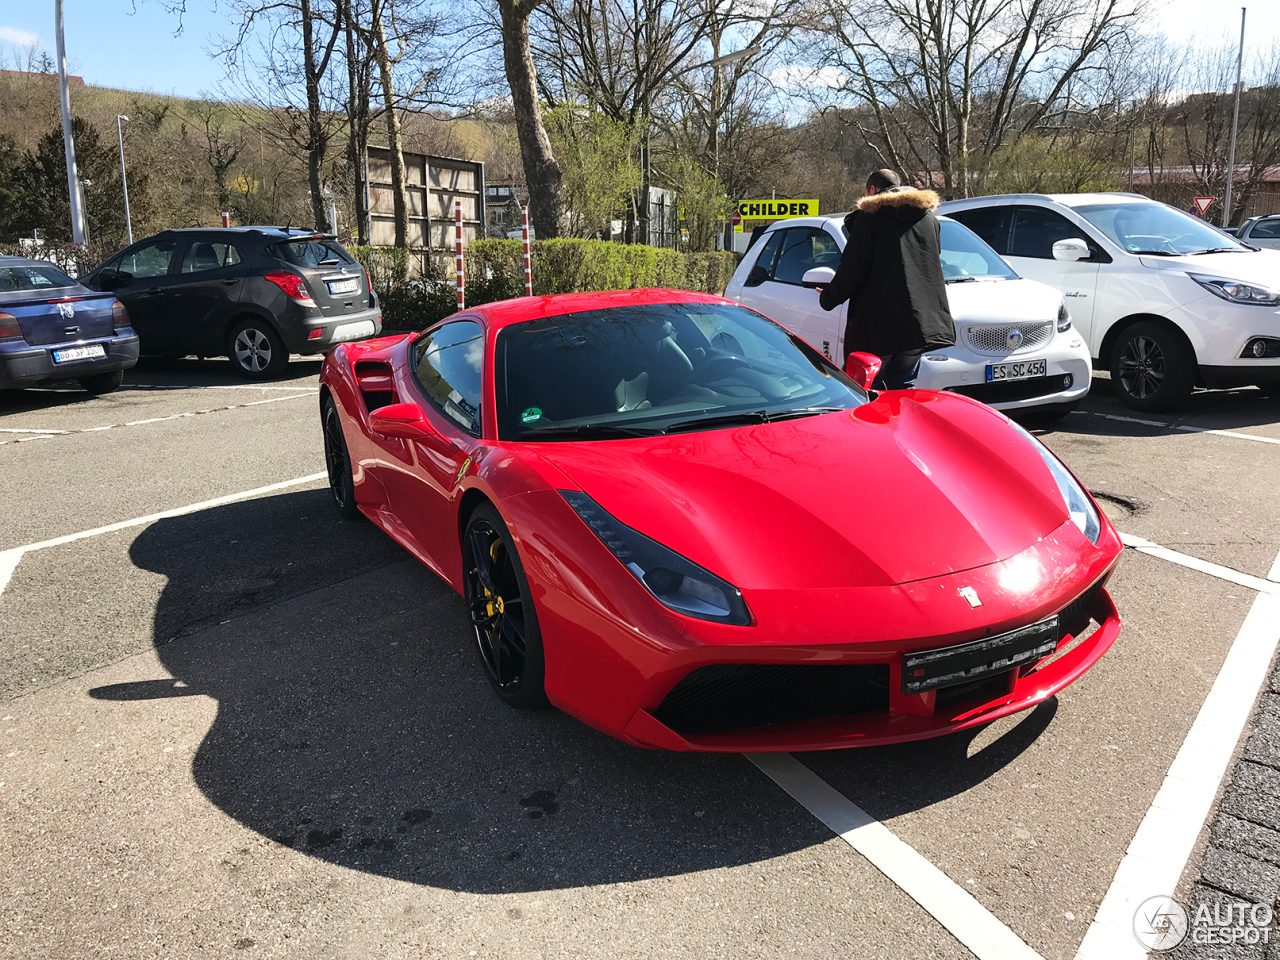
(101, 383)
(256, 350)
(1152, 367)
(337, 461)
(508, 641)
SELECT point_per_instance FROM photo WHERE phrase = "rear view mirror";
(817, 277)
(404, 420)
(862, 368)
(1071, 249)
(757, 276)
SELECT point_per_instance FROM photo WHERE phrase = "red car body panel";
(849, 535)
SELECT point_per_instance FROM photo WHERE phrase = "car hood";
(916, 484)
(1252, 266)
(1003, 301)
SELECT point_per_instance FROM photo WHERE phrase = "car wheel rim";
(1142, 367)
(252, 349)
(335, 457)
(497, 607)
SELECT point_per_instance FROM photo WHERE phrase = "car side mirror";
(107, 280)
(404, 420)
(817, 277)
(1071, 249)
(862, 368)
(757, 276)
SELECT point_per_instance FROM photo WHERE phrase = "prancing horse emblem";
(971, 595)
(67, 310)
(1014, 339)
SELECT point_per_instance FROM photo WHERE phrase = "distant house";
(502, 209)
(1179, 186)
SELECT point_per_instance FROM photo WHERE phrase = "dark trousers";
(898, 370)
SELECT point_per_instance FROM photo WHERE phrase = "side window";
(1266, 230)
(1036, 230)
(769, 252)
(802, 249)
(448, 365)
(204, 255)
(150, 259)
(990, 223)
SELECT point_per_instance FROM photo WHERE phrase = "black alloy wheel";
(502, 615)
(337, 461)
(1152, 367)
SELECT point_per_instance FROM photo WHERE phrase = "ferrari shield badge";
(971, 596)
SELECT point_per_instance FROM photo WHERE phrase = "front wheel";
(1152, 367)
(502, 614)
(337, 462)
(256, 350)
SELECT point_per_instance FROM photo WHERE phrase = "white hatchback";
(1015, 346)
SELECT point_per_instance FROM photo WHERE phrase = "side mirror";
(757, 276)
(1071, 249)
(107, 280)
(862, 368)
(404, 420)
(817, 277)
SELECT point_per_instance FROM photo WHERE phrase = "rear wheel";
(101, 383)
(256, 350)
(502, 615)
(1152, 367)
(337, 461)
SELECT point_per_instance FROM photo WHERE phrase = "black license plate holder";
(943, 667)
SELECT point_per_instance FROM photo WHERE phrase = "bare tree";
(542, 173)
(222, 148)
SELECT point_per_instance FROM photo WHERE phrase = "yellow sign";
(752, 213)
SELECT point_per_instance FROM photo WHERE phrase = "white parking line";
(1237, 434)
(950, 904)
(17, 430)
(1158, 855)
(212, 386)
(9, 558)
(1204, 566)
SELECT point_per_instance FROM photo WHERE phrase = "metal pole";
(457, 252)
(1235, 124)
(124, 179)
(69, 147)
(524, 240)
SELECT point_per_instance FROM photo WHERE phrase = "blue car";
(53, 329)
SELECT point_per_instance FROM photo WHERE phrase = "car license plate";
(90, 352)
(942, 667)
(350, 285)
(1016, 371)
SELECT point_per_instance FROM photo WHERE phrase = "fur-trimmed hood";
(900, 197)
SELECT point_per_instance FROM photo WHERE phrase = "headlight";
(1237, 291)
(1064, 317)
(1079, 504)
(677, 583)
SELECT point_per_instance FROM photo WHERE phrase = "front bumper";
(1068, 373)
(22, 365)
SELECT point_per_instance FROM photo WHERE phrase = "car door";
(205, 294)
(783, 298)
(1032, 233)
(145, 275)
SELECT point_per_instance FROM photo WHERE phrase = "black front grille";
(1007, 391)
(1075, 616)
(728, 696)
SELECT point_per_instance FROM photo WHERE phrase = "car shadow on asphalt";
(354, 724)
(210, 371)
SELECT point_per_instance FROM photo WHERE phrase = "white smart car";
(1165, 301)
(1015, 346)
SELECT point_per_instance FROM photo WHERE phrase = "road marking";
(1158, 855)
(950, 904)
(16, 430)
(212, 386)
(1183, 427)
(9, 558)
(1204, 566)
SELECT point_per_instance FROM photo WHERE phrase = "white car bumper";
(1068, 373)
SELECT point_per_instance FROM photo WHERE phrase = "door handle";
(227, 283)
(153, 291)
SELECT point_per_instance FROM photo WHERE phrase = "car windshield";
(312, 252)
(1156, 229)
(966, 256)
(657, 368)
(25, 278)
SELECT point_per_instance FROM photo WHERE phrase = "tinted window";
(965, 255)
(1036, 230)
(655, 367)
(150, 259)
(802, 249)
(989, 223)
(204, 255)
(769, 252)
(1155, 228)
(1266, 229)
(19, 278)
(312, 253)
(448, 365)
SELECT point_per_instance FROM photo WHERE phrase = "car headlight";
(1237, 291)
(677, 583)
(1064, 317)
(1078, 502)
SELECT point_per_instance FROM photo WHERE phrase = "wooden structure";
(434, 186)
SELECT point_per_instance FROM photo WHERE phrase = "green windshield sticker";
(532, 415)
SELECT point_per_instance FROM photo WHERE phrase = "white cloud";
(796, 75)
(23, 38)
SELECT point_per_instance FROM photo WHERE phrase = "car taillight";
(9, 329)
(293, 286)
(119, 315)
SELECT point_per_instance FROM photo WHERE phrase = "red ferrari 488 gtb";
(676, 521)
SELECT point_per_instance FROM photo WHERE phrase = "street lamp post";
(715, 64)
(124, 179)
(1235, 123)
(68, 143)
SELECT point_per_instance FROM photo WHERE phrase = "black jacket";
(891, 274)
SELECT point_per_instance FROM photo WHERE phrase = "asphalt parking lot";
(233, 725)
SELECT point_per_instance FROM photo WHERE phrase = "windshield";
(28, 277)
(965, 255)
(638, 370)
(1157, 229)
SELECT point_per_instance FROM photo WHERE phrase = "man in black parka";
(891, 274)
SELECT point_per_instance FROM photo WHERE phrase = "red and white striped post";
(226, 218)
(524, 241)
(457, 249)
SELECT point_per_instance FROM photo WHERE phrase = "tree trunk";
(541, 171)
(357, 129)
(315, 130)
(399, 191)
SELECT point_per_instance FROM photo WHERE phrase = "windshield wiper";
(1154, 253)
(587, 431)
(724, 420)
(963, 280)
(1196, 253)
(803, 412)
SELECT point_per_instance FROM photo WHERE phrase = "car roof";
(1066, 199)
(293, 233)
(506, 312)
(9, 260)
